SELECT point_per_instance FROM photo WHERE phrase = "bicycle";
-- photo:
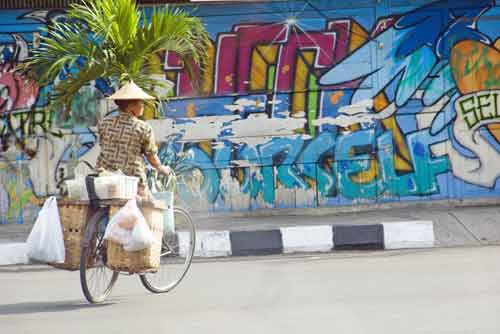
(97, 280)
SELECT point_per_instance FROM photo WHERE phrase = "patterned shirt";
(124, 141)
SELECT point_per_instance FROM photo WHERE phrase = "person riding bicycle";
(125, 139)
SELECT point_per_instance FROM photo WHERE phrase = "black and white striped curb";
(294, 239)
(323, 238)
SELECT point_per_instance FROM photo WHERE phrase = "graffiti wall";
(301, 104)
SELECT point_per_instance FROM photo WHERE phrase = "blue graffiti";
(354, 153)
(415, 55)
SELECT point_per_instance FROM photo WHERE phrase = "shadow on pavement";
(44, 307)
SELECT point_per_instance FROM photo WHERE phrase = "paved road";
(441, 291)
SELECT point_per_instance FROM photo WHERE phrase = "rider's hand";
(165, 170)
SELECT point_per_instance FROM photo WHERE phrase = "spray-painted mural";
(301, 104)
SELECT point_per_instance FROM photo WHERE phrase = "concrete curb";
(13, 253)
(323, 238)
(285, 240)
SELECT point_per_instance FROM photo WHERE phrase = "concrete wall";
(270, 127)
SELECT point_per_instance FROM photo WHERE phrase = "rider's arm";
(150, 150)
(156, 163)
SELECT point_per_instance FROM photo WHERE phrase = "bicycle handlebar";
(163, 182)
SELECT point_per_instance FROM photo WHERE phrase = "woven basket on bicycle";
(145, 260)
(73, 215)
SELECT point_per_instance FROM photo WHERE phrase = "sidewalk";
(294, 231)
(453, 226)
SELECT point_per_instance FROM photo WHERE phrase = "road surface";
(441, 291)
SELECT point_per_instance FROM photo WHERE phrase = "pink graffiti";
(234, 49)
(184, 84)
(383, 24)
(250, 37)
(15, 92)
(224, 74)
(342, 29)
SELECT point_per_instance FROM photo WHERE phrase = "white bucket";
(168, 215)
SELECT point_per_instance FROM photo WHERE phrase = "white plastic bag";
(141, 237)
(128, 227)
(120, 227)
(46, 242)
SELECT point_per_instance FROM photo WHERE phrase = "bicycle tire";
(148, 278)
(89, 259)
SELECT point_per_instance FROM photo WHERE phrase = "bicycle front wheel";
(176, 255)
(95, 278)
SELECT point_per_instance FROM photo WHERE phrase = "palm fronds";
(115, 40)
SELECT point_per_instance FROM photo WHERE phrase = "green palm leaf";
(113, 39)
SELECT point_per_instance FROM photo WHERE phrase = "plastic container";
(77, 189)
(116, 186)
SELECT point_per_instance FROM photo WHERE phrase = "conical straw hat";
(131, 91)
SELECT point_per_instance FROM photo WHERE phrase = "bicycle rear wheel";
(95, 278)
(176, 255)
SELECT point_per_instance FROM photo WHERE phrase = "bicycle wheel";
(95, 278)
(176, 255)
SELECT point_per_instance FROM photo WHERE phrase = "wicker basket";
(139, 261)
(73, 222)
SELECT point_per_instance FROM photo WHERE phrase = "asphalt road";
(441, 291)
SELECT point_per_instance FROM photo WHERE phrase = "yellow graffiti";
(402, 155)
(263, 57)
(19, 195)
(207, 83)
(369, 175)
(206, 146)
(358, 36)
(258, 71)
(301, 82)
(240, 175)
(190, 110)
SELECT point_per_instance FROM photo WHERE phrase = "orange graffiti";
(336, 96)
(475, 67)
(190, 110)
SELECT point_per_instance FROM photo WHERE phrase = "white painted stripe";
(307, 238)
(408, 234)
(13, 253)
(208, 243)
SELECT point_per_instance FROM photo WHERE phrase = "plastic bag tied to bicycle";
(129, 228)
(46, 241)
